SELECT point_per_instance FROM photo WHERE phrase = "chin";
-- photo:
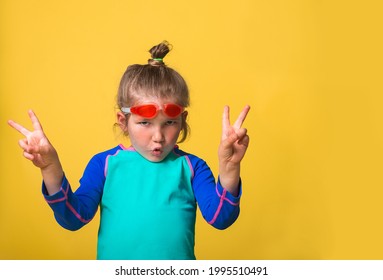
(155, 158)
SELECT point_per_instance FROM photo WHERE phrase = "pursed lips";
(157, 151)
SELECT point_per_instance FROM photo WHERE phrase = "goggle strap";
(125, 110)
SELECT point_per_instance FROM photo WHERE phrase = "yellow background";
(311, 71)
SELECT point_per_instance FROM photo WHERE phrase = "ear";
(122, 121)
(184, 115)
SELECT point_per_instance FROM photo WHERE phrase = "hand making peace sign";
(40, 151)
(36, 145)
(232, 149)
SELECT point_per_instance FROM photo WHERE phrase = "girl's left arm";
(232, 149)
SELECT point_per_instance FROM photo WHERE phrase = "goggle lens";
(147, 111)
(151, 110)
(172, 110)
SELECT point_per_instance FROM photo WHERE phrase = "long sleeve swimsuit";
(147, 209)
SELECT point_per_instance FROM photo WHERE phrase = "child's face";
(154, 138)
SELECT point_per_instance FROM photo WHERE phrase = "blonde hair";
(154, 79)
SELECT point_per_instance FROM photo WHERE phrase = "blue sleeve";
(73, 210)
(218, 206)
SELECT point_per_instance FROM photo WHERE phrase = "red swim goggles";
(150, 111)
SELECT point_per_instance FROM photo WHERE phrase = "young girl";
(147, 192)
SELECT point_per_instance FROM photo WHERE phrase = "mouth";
(157, 152)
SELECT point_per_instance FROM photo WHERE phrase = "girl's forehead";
(157, 100)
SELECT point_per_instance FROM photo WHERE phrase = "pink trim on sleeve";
(187, 160)
(65, 193)
(190, 166)
(224, 196)
(130, 148)
(218, 208)
(106, 165)
(76, 213)
(65, 198)
(107, 161)
(55, 201)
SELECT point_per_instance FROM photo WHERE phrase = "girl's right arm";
(40, 151)
(71, 210)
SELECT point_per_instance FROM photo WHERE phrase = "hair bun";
(158, 53)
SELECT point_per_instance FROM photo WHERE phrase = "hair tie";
(158, 59)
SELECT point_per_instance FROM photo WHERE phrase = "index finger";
(241, 118)
(226, 118)
(19, 128)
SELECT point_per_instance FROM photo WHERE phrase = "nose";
(158, 135)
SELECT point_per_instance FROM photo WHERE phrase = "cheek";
(137, 135)
(173, 133)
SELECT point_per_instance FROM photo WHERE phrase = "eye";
(170, 122)
(144, 123)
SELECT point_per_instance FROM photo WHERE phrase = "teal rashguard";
(147, 209)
